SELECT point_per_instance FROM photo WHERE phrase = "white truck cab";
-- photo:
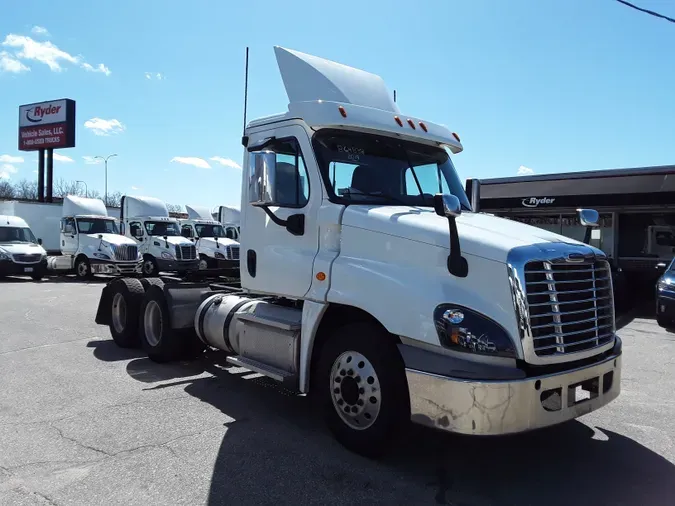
(21, 254)
(229, 217)
(90, 241)
(215, 249)
(146, 220)
(368, 282)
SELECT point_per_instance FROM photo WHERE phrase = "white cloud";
(47, 53)
(135, 188)
(525, 171)
(98, 68)
(104, 126)
(227, 162)
(40, 30)
(155, 75)
(62, 158)
(11, 159)
(7, 169)
(10, 64)
(192, 160)
(90, 160)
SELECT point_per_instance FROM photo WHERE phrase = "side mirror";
(40, 241)
(448, 206)
(589, 217)
(138, 233)
(261, 183)
(100, 236)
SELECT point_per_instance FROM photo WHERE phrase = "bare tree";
(25, 189)
(6, 189)
(174, 208)
(114, 199)
(63, 188)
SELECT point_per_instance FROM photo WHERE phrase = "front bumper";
(508, 406)
(115, 268)
(177, 265)
(10, 268)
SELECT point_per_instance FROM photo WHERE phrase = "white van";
(21, 254)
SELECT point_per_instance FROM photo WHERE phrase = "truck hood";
(174, 240)
(22, 248)
(481, 235)
(116, 239)
(210, 242)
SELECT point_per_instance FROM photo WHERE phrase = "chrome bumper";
(116, 269)
(512, 406)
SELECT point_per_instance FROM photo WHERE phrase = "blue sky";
(531, 86)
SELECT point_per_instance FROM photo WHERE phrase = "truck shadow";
(276, 452)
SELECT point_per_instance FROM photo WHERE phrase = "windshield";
(363, 168)
(96, 226)
(16, 234)
(162, 228)
(210, 230)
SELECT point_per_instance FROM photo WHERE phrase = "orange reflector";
(342, 111)
(411, 123)
(454, 336)
(456, 136)
(321, 276)
(398, 120)
(423, 126)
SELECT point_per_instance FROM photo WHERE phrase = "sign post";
(45, 126)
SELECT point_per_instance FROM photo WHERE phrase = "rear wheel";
(361, 389)
(126, 296)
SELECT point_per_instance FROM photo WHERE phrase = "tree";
(6, 189)
(63, 188)
(25, 189)
(174, 208)
(114, 199)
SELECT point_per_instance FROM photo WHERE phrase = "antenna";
(394, 96)
(244, 140)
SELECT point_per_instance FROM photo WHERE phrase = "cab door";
(273, 259)
(69, 237)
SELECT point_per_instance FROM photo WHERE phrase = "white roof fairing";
(80, 206)
(309, 78)
(198, 213)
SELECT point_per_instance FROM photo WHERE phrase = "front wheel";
(664, 322)
(82, 268)
(37, 277)
(150, 268)
(361, 390)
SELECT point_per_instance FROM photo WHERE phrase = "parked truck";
(381, 297)
(146, 220)
(215, 250)
(229, 217)
(21, 253)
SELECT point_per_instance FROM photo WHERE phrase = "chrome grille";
(570, 306)
(125, 252)
(186, 252)
(232, 252)
(27, 258)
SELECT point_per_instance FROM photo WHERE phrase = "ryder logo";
(38, 113)
(536, 202)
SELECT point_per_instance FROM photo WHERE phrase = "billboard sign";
(47, 125)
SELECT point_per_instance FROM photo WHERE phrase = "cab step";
(287, 379)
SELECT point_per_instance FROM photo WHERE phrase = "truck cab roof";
(12, 221)
(326, 94)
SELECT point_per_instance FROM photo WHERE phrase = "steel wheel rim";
(152, 323)
(82, 269)
(119, 313)
(148, 267)
(202, 264)
(355, 390)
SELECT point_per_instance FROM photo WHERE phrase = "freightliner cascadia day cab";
(214, 248)
(90, 241)
(21, 254)
(368, 283)
(146, 220)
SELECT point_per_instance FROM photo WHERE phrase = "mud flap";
(104, 305)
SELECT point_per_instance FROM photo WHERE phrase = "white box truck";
(21, 253)
(381, 297)
(146, 220)
(216, 251)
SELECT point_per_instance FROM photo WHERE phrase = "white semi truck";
(368, 282)
(216, 251)
(230, 218)
(146, 220)
(80, 237)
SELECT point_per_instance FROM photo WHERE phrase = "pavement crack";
(51, 345)
(80, 443)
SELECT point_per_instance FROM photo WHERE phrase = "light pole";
(105, 160)
(86, 190)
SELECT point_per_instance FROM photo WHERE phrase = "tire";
(159, 340)
(37, 277)
(126, 296)
(82, 268)
(380, 414)
(664, 322)
(150, 268)
(203, 262)
(148, 282)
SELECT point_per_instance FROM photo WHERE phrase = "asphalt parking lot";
(83, 422)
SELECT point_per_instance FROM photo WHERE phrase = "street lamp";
(105, 160)
(86, 190)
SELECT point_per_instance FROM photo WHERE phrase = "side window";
(135, 229)
(68, 226)
(431, 181)
(342, 177)
(291, 181)
(186, 231)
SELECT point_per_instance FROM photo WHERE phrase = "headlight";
(661, 285)
(461, 329)
(218, 254)
(102, 256)
(4, 255)
(139, 256)
(167, 256)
